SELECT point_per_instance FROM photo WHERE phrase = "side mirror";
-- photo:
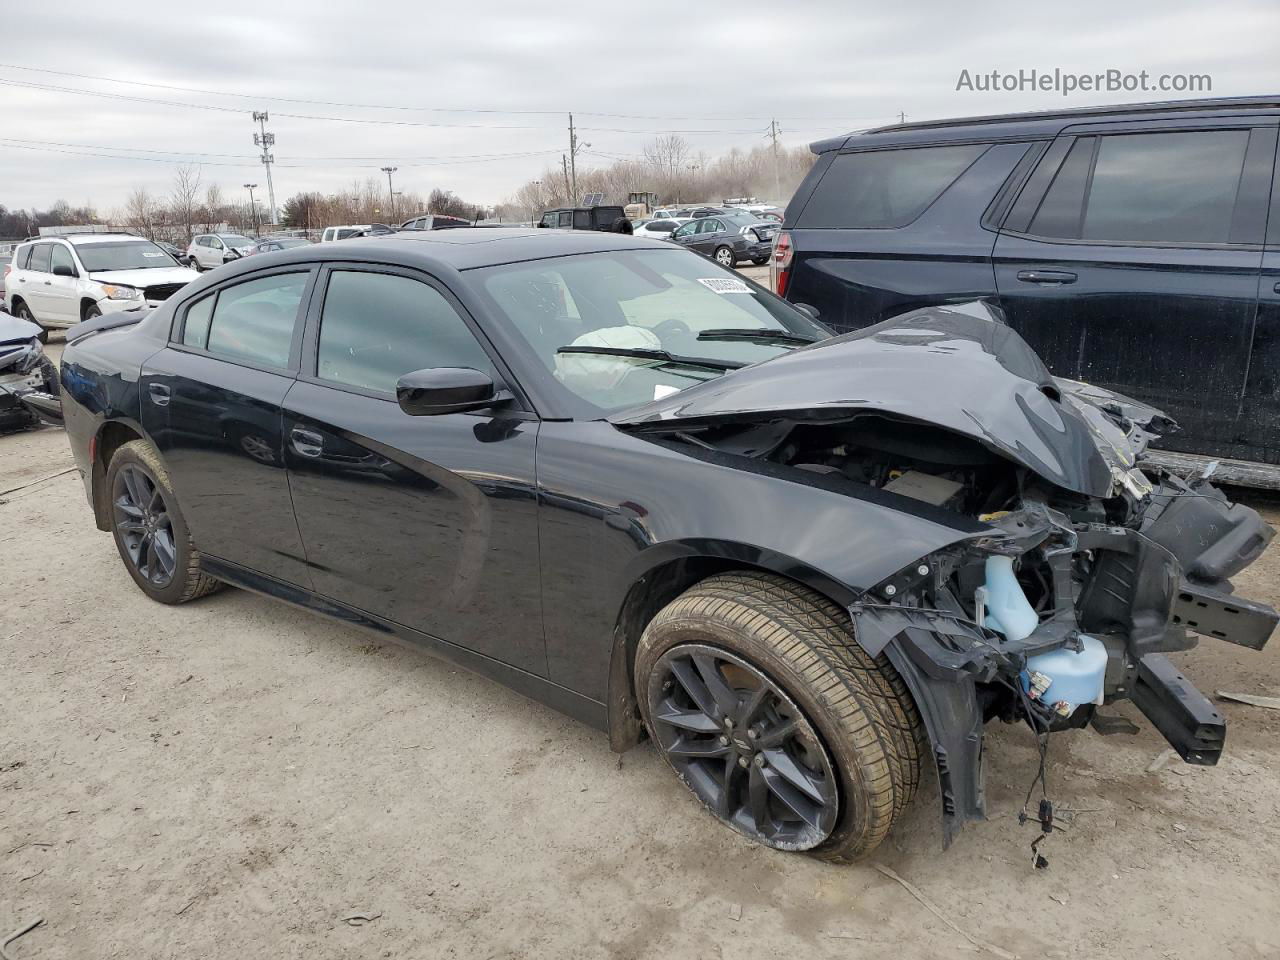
(437, 390)
(63, 270)
(808, 308)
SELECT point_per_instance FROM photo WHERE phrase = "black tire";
(23, 312)
(759, 261)
(91, 311)
(136, 466)
(195, 265)
(724, 256)
(857, 706)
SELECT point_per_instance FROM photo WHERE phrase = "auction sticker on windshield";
(725, 285)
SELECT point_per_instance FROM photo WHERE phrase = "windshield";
(125, 255)
(667, 301)
(235, 240)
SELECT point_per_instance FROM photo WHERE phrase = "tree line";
(668, 167)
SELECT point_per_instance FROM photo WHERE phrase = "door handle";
(307, 442)
(1276, 288)
(159, 394)
(48, 283)
(1046, 276)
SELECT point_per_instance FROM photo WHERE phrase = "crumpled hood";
(12, 328)
(957, 367)
(145, 278)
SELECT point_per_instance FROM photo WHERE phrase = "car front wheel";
(724, 256)
(760, 699)
(149, 529)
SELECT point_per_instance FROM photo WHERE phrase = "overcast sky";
(717, 71)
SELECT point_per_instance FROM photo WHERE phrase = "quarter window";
(195, 329)
(376, 327)
(885, 188)
(254, 320)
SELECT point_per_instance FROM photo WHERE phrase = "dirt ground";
(233, 778)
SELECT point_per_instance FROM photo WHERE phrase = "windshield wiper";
(760, 334)
(709, 363)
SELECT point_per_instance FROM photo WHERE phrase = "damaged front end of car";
(28, 378)
(1087, 569)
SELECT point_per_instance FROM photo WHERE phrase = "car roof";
(83, 238)
(466, 248)
(1046, 123)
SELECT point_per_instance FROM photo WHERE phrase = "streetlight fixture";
(391, 190)
(253, 208)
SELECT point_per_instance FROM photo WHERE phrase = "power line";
(384, 106)
(75, 91)
(91, 151)
(257, 159)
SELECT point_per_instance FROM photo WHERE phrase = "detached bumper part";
(1179, 711)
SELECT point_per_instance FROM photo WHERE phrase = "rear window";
(40, 257)
(885, 188)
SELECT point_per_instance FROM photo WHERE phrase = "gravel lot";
(233, 778)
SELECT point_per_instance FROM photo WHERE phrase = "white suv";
(209, 250)
(59, 281)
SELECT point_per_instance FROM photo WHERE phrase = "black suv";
(1130, 245)
(606, 218)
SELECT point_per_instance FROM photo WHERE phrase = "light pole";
(253, 208)
(391, 190)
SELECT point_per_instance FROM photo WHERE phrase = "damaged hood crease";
(958, 367)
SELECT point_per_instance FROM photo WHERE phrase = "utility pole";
(253, 209)
(573, 165)
(574, 147)
(774, 130)
(266, 141)
(564, 165)
(390, 190)
(902, 117)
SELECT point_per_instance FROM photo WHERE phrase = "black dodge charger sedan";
(618, 478)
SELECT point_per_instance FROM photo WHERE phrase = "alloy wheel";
(143, 523)
(724, 257)
(743, 746)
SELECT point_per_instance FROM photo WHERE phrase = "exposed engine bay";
(1082, 569)
(28, 379)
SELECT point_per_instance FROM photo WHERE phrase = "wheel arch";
(110, 437)
(85, 304)
(667, 571)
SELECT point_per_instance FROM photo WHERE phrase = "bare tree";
(140, 210)
(213, 210)
(183, 198)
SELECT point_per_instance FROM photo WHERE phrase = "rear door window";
(40, 257)
(885, 188)
(254, 321)
(1165, 187)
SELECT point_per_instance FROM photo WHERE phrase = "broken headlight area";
(28, 385)
(1065, 606)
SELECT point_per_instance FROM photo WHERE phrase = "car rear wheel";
(23, 312)
(149, 529)
(760, 261)
(724, 256)
(760, 699)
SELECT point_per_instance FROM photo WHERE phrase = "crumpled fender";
(941, 658)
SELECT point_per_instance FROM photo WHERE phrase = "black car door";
(211, 404)
(1132, 262)
(426, 521)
